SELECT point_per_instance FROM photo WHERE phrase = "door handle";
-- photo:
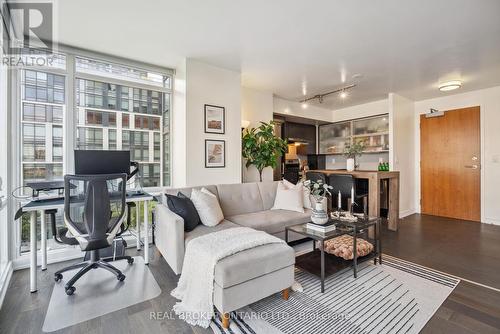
(471, 166)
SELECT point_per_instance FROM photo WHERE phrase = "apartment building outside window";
(84, 103)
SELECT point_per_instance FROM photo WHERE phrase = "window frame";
(69, 122)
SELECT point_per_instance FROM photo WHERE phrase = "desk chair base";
(94, 263)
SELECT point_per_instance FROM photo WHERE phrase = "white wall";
(207, 84)
(489, 102)
(179, 130)
(362, 110)
(256, 106)
(402, 150)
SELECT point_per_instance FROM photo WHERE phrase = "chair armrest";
(170, 237)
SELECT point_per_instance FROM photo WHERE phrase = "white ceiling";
(281, 46)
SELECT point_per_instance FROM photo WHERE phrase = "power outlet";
(333, 160)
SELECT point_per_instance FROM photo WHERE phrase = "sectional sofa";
(247, 276)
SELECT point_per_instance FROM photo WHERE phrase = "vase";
(351, 164)
(319, 215)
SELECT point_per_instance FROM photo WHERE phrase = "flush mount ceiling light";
(320, 97)
(450, 85)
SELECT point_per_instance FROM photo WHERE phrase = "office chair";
(344, 183)
(291, 173)
(61, 236)
(316, 176)
(93, 213)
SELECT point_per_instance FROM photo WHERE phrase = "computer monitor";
(89, 162)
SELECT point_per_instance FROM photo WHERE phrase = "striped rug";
(396, 297)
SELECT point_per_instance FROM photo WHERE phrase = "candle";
(352, 195)
(339, 201)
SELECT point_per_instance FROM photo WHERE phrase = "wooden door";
(450, 167)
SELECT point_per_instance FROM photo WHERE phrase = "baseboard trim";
(492, 221)
(406, 213)
(4, 281)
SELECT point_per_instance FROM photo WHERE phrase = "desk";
(374, 178)
(34, 206)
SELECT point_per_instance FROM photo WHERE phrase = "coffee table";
(309, 261)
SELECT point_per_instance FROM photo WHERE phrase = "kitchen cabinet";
(373, 132)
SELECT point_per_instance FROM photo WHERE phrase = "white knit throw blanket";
(196, 284)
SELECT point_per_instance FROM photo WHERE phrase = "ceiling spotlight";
(342, 91)
(450, 85)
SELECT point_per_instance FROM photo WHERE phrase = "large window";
(84, 103)
(126, 109)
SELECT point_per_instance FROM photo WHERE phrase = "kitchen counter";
(374, 177)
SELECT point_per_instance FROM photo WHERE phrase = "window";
(42, 104)
(116, 107)
(106, 109)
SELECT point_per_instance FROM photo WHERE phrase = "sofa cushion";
(202, 230)
(207, 206)
(268, 193)
(239, 198)
(182, 206)
(271, 221)
(187, 191)
(253, 263)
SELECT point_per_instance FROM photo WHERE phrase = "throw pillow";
(183, 206)
(289, 198)
(306, 195)
(208, 207)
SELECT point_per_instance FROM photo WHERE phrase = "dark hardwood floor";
(465, 249)
(462, 248)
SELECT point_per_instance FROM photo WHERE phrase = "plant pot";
(319, 215)
(351, 164)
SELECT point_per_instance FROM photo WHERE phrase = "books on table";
(325, 228)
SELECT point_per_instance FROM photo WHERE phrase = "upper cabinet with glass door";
(373, 132)
(333, 138)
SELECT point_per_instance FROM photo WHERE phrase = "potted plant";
(350, 152)
(319, 191)
(261, 148)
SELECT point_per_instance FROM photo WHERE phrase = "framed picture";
(215, 119)
(215, 153)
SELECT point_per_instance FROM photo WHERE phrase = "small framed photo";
(215, 119)
(215, 153)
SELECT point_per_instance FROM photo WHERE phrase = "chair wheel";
(58, 277)
(70, 290)
(130, 261)
(120, 277)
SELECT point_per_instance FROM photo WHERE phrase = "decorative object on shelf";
(215, 119)
(215, 153)
(350, 152)
(383, 166)
(344, 216)
(261, 148)
(318, 191)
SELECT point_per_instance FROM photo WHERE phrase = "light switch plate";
(496, 158)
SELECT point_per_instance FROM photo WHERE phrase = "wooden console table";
(374, 178)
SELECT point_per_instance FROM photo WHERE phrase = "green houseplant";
(351, 152)
(261, 148)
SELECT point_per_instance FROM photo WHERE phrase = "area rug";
(395, 297)
(99, 292)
